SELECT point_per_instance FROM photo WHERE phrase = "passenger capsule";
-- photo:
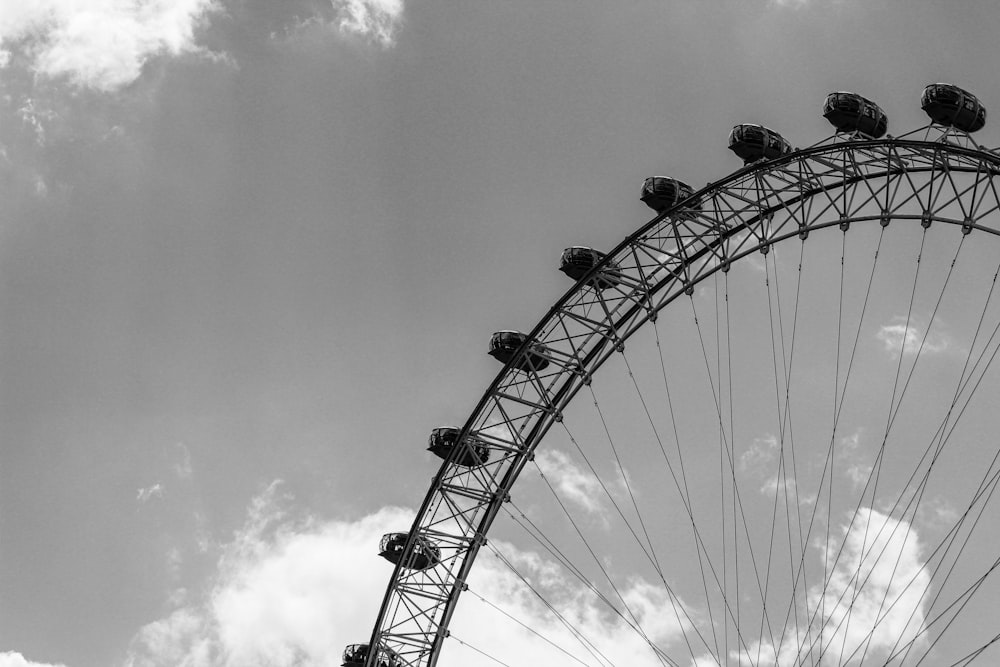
(756, 142)
(425, 554)
(950, 105)
(661, 193)
(444, 440)
(849, 112)
(504, 345)
(355, 655)
(577, 261)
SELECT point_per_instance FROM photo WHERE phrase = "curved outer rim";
(662, 260)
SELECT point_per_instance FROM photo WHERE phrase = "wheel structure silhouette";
(806, 465)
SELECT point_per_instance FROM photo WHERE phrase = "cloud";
(13, 659)
(377, 20)
(144, 495)
(183, 468)
(294, 590)
(759, 455)
(878, 584)
(287, 591)
(571, 482)
(852, 441)
(909, 338)
(859, 474)
(787, 489)
(477, 625)
(98, 44)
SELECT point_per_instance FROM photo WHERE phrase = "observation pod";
(444, 439)
(756, 142)
(662, 192)
(355, 655)
(849, 112)
(577, 260)
(425, 554)
(950, 105)
(504, 345)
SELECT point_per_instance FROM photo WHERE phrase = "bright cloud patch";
(12, 659)
(286, 593)
(582, 610)
(874, 603)
(377, 20)
(145, 494)
(909, 339)
(296, 591)
(99, 44)
(759, 455)
(572, 483)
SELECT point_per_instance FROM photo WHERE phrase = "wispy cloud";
(144, 495)
(898, 336)
(182, 468)
(858, 474)
(571, 482)
(759, 455)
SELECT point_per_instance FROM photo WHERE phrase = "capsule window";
(947, 95)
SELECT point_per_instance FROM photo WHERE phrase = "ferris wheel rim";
(429, 651)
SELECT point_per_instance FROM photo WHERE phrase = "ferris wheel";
(790, 451)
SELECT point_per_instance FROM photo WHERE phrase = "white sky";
(251, 253)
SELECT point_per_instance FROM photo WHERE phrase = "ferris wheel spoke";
(688, 508)
(984, 493)
(918, 495)
(575, 631)
(684, 490)
(636, 625)
(797, 570)
(914, 497)
(840, 395)
(850, 590)
(873, 476)
(650, 554)
(720, 421)
(988, 481)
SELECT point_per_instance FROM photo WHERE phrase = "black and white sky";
(251, 252)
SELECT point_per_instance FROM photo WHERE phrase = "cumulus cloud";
(287, 591)
(899, 337)
(98, 44)
(583, 611)
(874, 602)
(295, 590)
(12, 659)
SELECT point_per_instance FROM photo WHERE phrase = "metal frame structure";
(933, 175)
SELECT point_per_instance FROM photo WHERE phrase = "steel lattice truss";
(934, 175)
